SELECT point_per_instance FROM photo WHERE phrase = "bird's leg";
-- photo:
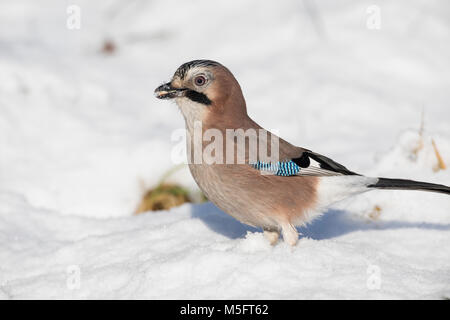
(272, 234)
(290, 234)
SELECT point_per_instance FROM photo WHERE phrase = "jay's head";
(203, 87)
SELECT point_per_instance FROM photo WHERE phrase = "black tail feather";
(402, 184)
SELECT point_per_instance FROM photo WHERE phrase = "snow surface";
(80, 130)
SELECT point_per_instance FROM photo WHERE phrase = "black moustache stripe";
(197, 97)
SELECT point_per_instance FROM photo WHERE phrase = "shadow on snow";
(333, 223)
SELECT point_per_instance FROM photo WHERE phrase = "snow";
(80, 131)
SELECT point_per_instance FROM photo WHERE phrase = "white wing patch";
(314, 169)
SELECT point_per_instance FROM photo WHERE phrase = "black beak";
(166, 91)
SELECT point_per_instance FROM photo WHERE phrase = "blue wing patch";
(280, 168)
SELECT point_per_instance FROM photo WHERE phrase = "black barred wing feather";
(308, 164)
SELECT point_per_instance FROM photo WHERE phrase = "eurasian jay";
(276, 192)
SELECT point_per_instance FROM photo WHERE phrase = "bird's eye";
(200, 80)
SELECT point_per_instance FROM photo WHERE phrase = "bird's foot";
(272, 235)
(290, 234)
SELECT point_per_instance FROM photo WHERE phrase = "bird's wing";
(295, 160)
(302, 162)
(314, 164)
